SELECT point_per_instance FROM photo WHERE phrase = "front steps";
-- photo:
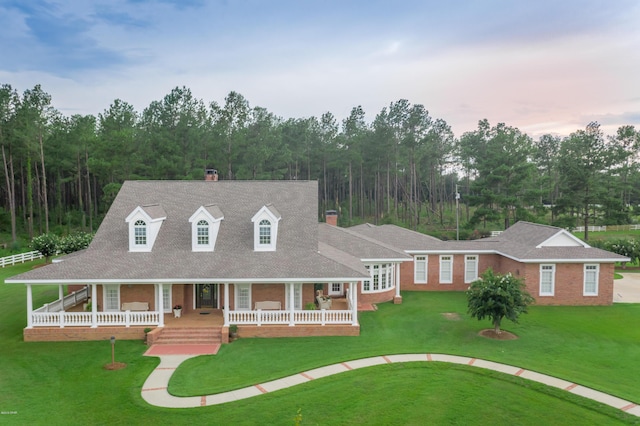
(189, 336)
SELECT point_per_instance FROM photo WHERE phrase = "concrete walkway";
(154, 390)
(627, 288)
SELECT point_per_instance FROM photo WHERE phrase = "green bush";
(47, 244)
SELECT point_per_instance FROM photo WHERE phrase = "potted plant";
(177, 311)
(233, 331)
(146, 332)
(310, 306)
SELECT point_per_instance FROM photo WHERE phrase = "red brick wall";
(68, 334)
(297, 331)
(569, 285)
(433, 275)
(384, 296)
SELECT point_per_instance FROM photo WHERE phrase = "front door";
(206, 296)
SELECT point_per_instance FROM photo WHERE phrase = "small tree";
(498, 296)
(47, 244)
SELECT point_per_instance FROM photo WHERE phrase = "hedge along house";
(248, 250)
(557, 267)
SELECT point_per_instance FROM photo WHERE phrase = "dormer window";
(140, 233)
(203, 233)
(265, 228)
(265, 232)
(205, 224)
(144, 225)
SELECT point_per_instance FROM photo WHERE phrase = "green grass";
(62, 383)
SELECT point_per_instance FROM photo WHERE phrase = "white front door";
(335, 289)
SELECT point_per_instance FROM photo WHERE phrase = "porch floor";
(195, 318)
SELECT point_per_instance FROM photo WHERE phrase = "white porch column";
(396, 267)
(160, 306)
(353, 286)
(226, 305)
(292, 304)
(61, 292)
(94, 305)
(29, 307)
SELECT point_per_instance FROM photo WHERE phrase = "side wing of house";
(557, 267)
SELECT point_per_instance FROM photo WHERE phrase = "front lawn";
(62, 383)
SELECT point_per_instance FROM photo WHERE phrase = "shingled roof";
(524, 241)
(297, 257)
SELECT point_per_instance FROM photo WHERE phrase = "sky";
(543, 66)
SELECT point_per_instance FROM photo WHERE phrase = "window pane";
(591, 279)
(140, 233)
(203, 232)
(420, 265)
(111, 298)
(265, 232)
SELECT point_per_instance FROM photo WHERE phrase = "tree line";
(405, 166)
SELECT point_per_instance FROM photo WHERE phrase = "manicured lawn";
(62, 383)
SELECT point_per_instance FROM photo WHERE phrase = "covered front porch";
(72, 315)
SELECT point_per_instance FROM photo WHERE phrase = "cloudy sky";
(544, 66)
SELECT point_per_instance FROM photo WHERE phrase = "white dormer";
(205, 224)
(265, 228)
(144, 226)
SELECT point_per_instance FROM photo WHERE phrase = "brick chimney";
(331, 217)
(211, 175)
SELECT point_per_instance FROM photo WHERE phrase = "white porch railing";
(66, 302)
(20, 258)
(83, 319)
(261, 317)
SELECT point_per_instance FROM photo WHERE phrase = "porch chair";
(324, 302)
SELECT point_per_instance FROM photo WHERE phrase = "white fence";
(261, 317)
(84, 319)
(20, 258)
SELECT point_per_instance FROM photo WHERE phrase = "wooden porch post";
(396, 267)
(94, 305)
(292, 304)
(160, 306)
(353, 286)
(61, 293)
(226, 304)
(29, 307)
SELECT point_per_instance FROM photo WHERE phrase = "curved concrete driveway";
(154, 390)
(627, 289)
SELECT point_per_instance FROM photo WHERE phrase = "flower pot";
(177, 313)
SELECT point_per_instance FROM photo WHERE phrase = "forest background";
(61, 173)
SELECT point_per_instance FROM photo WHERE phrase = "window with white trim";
(446, 269)
(591, 280)
(111, 297)
(265, 232)
(366, 284)
(382, 278)
(243, 297)
(166, 298)
(202, 231)
(470, 268)
(376, 277)
(420, 269)
(140, 233)
(547, 280)
(297, 297)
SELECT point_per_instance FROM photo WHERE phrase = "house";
(557, 268)
(248, 250)
(252, 254)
